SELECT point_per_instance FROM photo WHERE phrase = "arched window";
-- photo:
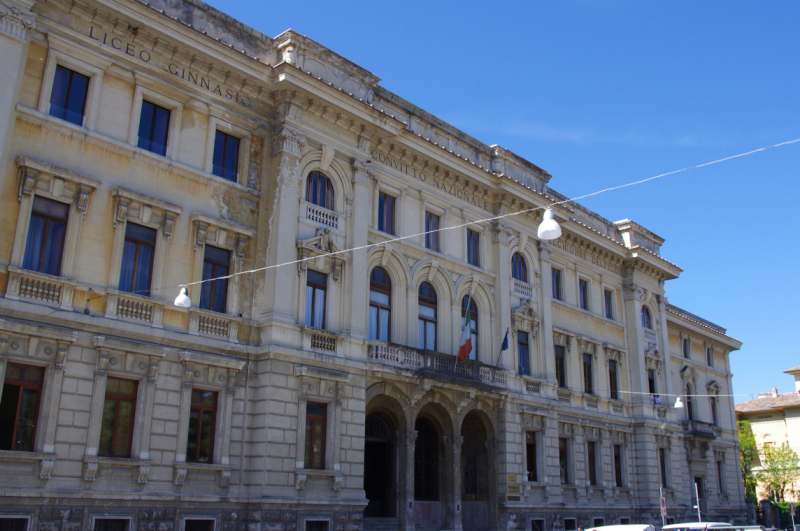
(646, 322)
(689, 404)
(473, 323)
(518, 268)
(380, 304)
(426, 337)
(319, 190)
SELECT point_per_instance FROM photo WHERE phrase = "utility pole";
(697, 498)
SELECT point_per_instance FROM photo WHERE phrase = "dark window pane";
(198, 525)
(153, 128)
(315, 409)
(226, 156)
(522, 350)
(206, 435)
(431, 238)
(13, 524)
(33, 247)
(204, 398)
(9, 404)
(124, 431)
(68, 98)
(426, 461)
(592, 464)
(26, 420)
(110, 525)
(315, 277)
(214, 294)
(107, 427)
(194, 426)
(386, 213)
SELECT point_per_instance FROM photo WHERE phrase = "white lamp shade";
(549, 229)
(183, 299)
(678, 403)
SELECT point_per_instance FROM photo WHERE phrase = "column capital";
(406, 437)
(287, 139)
(545, 248)
(362, 172)
(452, 442)
(631, 290)
(15, 19)
(501, 233)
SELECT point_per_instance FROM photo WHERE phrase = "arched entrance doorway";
(476, 475)
(379, 485)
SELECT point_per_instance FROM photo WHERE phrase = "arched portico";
(478, 469)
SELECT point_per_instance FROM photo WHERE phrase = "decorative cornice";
(362, 172)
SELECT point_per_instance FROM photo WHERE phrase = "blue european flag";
(505, 343)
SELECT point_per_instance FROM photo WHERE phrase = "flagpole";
(469, 299)
(501, 349)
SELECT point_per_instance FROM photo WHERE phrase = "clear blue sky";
(604, 93)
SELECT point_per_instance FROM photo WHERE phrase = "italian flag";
(465, 345)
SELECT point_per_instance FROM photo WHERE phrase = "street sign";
(663, 507)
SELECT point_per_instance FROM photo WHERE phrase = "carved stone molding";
(289, 140)
(500, 233)
(362, 172)
(144, 471)
(452, 442)
(300, 481)
(15, 21)
(545, 249)
(633, 291)
(46, 468)
(180, 475)
(90, 472)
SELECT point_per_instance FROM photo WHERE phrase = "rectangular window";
(386, 213)
(226, 157)
(316, 419)
(316, 525)
(530, 454)
(583, 290)
(116, 432)
(624, 521)
(202, 423)
(563, 461)
(592, 462)
(687, 348)
(214, 294)
(110, 524)
(662, 465)
(618, 465)
(714, 413)
(651, 381)
(710, 356)
(153, 128)
(721, 476)
(46, 234)
(198, 525)
(608, 297)
(473, 248)
(316, 284)
(599, 522)
(19, 407)
(569, 524)
(613, 382)
(13, 524)
(588, 386)
(432, 238)
(561, 369)
(137, 259)
(68, 99)
(556, 278)
(522, 353)
(537, 525)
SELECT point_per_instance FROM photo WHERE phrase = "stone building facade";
(147, 146)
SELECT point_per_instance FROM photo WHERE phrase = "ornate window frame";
(323, 386)
(148, 89)
(65, 186)
(536, 424)
(231, 237)
(222, 120)
(220, 374)
(152, 213)
(46, 347)
(130, 361)
(61, 52)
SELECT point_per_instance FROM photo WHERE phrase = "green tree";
(748, 452)
(780, 468)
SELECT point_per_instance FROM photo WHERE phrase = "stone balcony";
(435, 363)
(698, 429)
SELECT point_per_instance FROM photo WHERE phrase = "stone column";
(633, 295)
(662, 314)
(282, 281)
(547, 353)
(497, 487)
(502, 300)
(451, 492)
(357, 275)
(406, 440)
(15, 19)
